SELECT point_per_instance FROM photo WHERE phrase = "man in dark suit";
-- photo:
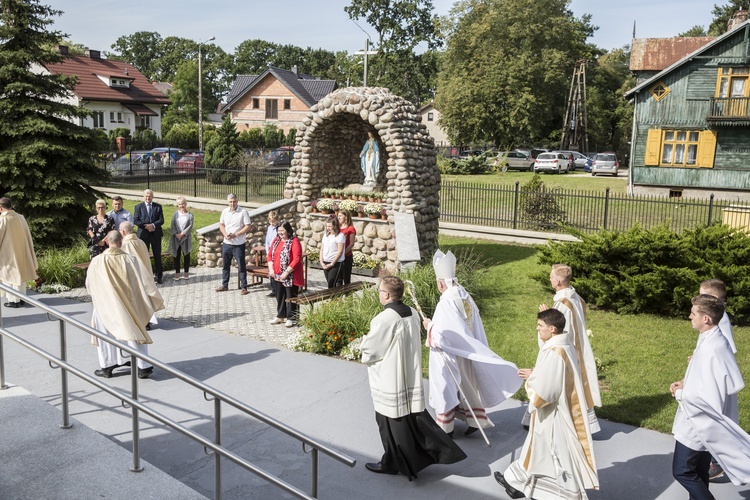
(149, 218)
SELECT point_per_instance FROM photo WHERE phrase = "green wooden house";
(691, 122)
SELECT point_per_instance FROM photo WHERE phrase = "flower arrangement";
(314, 205)
(326, 205)
(362, 261)
(372, 209)
(383, 213)
(349, 205)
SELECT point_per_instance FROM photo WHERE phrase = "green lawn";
(638, 356)
(574, 180)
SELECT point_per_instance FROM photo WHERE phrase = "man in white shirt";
(119, 214)
(701, 428)
(234, 225)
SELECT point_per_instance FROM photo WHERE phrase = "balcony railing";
(729, 108)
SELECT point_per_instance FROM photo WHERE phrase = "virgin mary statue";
(370, 159)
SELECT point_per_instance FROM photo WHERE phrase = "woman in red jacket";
(285, 267)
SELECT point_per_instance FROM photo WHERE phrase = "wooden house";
(691, 121)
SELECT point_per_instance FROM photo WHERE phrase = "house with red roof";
(117, 94)
(277, 96)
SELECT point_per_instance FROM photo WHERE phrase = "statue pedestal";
(368, 188)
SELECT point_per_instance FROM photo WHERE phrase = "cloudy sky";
(324, 24)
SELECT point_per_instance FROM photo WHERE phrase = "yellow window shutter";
(706, 148)
(653, 147)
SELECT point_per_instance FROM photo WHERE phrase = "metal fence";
(510, 206)
(249, 184)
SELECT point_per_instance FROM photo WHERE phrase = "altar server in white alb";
(17, 258)
(568, 302)
(460, 356)
(701, 427)
(557, 460)
(122, 306)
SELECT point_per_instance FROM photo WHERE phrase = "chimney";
(739, 17)
(63, 50)
(93, 54)
(294, 69)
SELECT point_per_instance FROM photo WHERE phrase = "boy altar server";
(458, 348)
(701, 428)
(557, 459)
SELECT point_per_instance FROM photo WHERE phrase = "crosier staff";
(412, 292)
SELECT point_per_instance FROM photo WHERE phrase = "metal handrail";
(210, 394)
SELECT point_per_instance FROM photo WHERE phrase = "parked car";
(513, 160)
(532, 152)
(131, 163)
(190, 163)
(579, 160)
(469, 153)
(552, 162)
(605, 163)
(280, 157)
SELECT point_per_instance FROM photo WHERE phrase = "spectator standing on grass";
(273, 224)
(701, 429)
(181, 241)
(234, 224)
(288, 274)
(347, 229)
(98, 227)
(17, 257)
(332, 251)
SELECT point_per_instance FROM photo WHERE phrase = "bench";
(329, 293)
(259, 271)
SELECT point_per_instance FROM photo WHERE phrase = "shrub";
(539, 205)
(56, 268)
(470, 166)
(656, 271)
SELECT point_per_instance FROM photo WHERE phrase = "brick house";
(277, 96)
(117, 94)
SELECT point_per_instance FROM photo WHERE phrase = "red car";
(189, 163)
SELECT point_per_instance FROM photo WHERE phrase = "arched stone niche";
(326, 154)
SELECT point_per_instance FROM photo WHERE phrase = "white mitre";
(445, 266)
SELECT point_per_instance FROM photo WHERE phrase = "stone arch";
(327, 151)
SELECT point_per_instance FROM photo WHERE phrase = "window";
(732, 82)
(146, 121)
(430, 117)
(272, 109)
(98, 117)
(119, 118)
(287, 104)
(659, 91)
(112, 117)
(256, 103)
(680, 148)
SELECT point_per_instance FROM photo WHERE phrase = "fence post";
(606, 207)
(711, 209)
(148, 175)
(247, 179)
(515, 205)
(195, 177)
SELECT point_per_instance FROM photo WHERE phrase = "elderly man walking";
(149, 218)
(234, 225)
(122, 306)
(132, 245)
(17, 258)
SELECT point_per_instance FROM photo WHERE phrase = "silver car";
(605, 163)
(579, 159)
(513, 160)
(552, 162)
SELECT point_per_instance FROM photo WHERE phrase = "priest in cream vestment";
(460, 356)
(557, 459)
(392, 351)
(17, 258)
(133, 245)
(122, 305)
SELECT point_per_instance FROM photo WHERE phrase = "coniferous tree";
(46, 161)
(224, 153)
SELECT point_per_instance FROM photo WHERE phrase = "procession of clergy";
(466, 377)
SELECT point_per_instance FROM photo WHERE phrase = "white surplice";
(486, 378)
(568, 302)
(701, 422)
(18, 262)
(557, 459)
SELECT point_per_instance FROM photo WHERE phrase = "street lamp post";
(200, 94)
(366, 52)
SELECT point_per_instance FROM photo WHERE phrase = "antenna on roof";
(633, 29)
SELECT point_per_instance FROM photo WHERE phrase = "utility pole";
(575, 125)
(367, 52)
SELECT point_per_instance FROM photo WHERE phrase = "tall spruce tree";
(46, 160)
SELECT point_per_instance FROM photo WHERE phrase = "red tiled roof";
(92, 88)
(656, 54)
(140, 109)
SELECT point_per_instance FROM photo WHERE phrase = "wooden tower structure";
(575, 128)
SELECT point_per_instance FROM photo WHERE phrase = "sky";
(324, 24)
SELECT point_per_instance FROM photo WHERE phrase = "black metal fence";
(510, 206)
(249, 184)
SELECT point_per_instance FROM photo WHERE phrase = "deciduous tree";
(46, 159)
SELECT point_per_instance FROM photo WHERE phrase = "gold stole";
(575, 329)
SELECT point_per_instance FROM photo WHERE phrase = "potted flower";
(340, 194)
(326, 205)
(314, 206)
(326, 192)
(365, 265)
(335, 208)
(349, 205)
(372, 210)
(379, 196)
(383, 214)
(360, 211)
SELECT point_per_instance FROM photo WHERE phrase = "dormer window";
(119, 82)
